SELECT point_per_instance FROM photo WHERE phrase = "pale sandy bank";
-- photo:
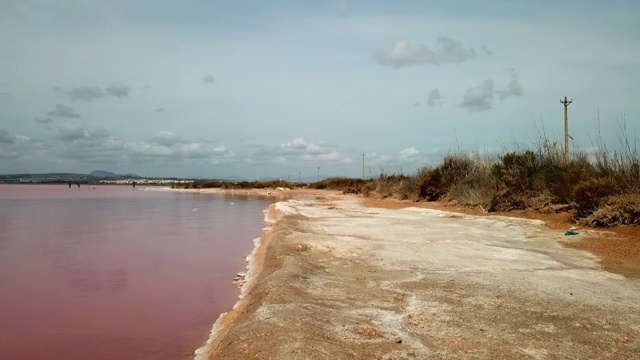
(335, 280)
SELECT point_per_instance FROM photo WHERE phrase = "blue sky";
(274, 88)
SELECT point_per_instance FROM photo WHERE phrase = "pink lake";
(115, 273)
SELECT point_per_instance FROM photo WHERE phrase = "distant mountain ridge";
(109, 174)
(102, 173)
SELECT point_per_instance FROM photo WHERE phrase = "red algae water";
(109, 272)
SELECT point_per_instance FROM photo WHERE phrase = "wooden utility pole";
(363, 155)
(318, 173)
(566, 103)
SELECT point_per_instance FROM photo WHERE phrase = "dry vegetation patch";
(602, 192)
(613, 211)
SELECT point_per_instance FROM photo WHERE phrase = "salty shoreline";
(312, 293)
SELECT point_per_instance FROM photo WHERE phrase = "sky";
(281, 88)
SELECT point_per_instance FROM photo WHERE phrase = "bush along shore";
(601, 191)
(228, 185)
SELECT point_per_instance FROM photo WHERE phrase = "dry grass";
(603, 191)
(615, 210)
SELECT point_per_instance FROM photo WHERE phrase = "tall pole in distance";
(566, 103)
(363, 155)
(318, 173)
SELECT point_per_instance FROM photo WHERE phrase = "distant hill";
(102, 173)
(109, 174)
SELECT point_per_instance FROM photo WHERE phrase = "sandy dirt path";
(336, 280)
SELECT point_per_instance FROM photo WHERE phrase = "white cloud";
(334, 156)
(478, 98)
(74, 132)
(166, 138)
(297, 144)
(409, 152)
(402, 54)
(171, 148)
(296, 151)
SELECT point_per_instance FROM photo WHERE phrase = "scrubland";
(602, 189)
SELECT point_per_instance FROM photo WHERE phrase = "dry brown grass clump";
(437, 181)
(346, 185)
(614, 210)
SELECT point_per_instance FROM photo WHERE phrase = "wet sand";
(333, 279)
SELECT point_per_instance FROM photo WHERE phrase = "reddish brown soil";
(617, 247)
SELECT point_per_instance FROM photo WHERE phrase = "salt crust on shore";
(341, 281)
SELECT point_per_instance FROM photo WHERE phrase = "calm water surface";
(115, 273)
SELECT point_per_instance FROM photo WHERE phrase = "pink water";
(115, 273)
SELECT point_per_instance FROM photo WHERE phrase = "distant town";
(95, 177)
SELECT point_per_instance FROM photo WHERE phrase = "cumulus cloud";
(118, 89)
(296, 144)
(14, 146)
(43, 120)
(172, 148)
(513, 88)
(6, 137)
(89, 93)
(72, 142)
(404, 161)
(409, 152)
(166, 138)
(63, 111)
(86, 93)
(208, 79)
(403, 54)
(297, 150)
(76, 132)
(434, 98)
(478, 98)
